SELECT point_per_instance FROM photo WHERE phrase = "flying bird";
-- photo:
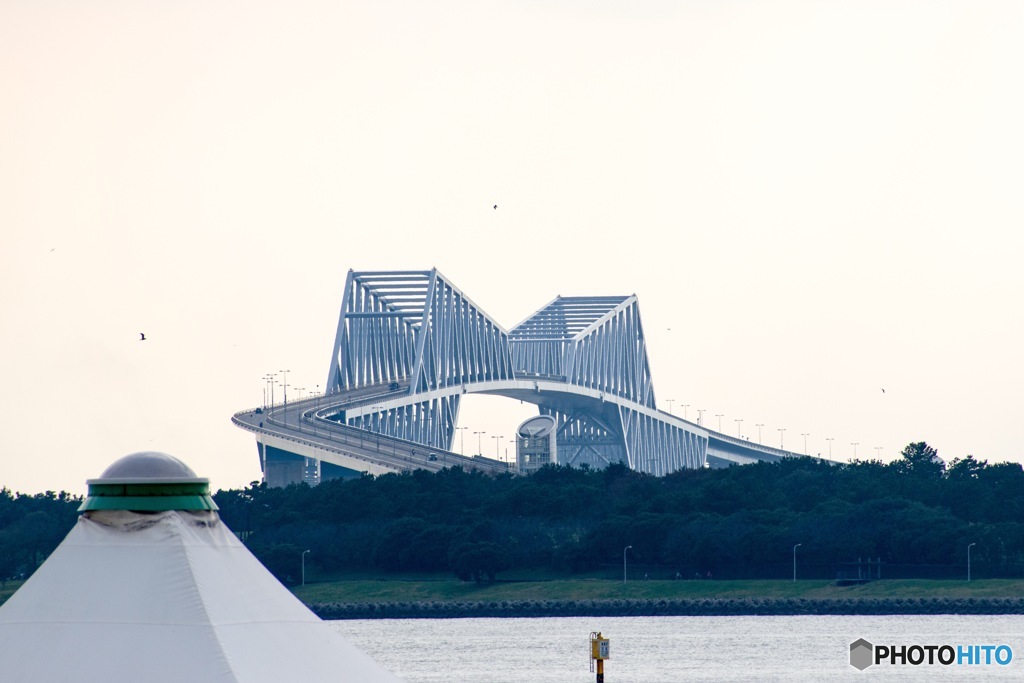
(142, 336)
(495, 206)
(883, 391)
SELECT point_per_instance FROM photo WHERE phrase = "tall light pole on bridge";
(739, 428)
(700, 416)
(479, 438)
(782, 433)
(805, 435)
(685, 406)
(878, 452)
(270, 377)
(830, 439)
(497, 441)
(284, 388)
(285, 385)
(267, 389)
(670, 401)
(719, 416)
(759, 425)
(462, 439)
(854, 444)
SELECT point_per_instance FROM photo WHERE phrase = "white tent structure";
(151, 586)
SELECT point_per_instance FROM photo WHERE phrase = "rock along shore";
(665, 608)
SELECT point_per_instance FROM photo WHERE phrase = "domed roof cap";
(147, 467)
(148, 482)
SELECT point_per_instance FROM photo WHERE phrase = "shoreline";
(667, 607)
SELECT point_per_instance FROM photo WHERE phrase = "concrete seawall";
(664, 608)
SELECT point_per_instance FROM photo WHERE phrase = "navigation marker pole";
(598, 653)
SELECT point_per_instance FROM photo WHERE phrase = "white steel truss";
(417, 336)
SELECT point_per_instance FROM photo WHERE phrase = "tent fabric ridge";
(221, 650)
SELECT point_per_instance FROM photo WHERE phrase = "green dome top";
(148, 482)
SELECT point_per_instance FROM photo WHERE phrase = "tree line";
(31, 526)
(915, 512)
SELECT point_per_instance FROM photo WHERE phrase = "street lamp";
(268, 391)
(739, 427)
(462, 439)
(285, 385)
(479, 438)
(624, 563)
(805, 441)
(969, 561)
(700, 416)
(830, 439)
(781, 436)
(497, 440)
(685, 406)
(270, 377)
(854, 444)
(719, 416)
(304, 567)
(759, 425)
(670, 401)
(794, 560)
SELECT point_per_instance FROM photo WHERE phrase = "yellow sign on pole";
(599, 651)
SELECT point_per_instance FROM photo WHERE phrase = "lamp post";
(700, 416)
(969, 561)
(759, 425)
(268, 391)
(782, 434)
(497, 440)
(719, 416)
(739, 427)
(462, 439)
(624, 563)
(670, 401)
(285, 386)
(304, 567)
(854, 444)
(685, 406)
(794, 560)
(805, 441)
(830, 439)
(479, 440)
(878, 452)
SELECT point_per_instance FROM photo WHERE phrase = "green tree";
(477, 560)
(920, 460)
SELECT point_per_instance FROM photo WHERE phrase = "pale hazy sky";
(812, 200)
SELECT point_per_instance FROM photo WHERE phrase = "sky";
(813, 201)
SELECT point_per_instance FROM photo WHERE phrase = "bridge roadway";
(303, 427)
(297, 427)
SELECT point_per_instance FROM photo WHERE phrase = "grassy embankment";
(446, 589)
(396, 590)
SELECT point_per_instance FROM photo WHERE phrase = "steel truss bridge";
(410, 345)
